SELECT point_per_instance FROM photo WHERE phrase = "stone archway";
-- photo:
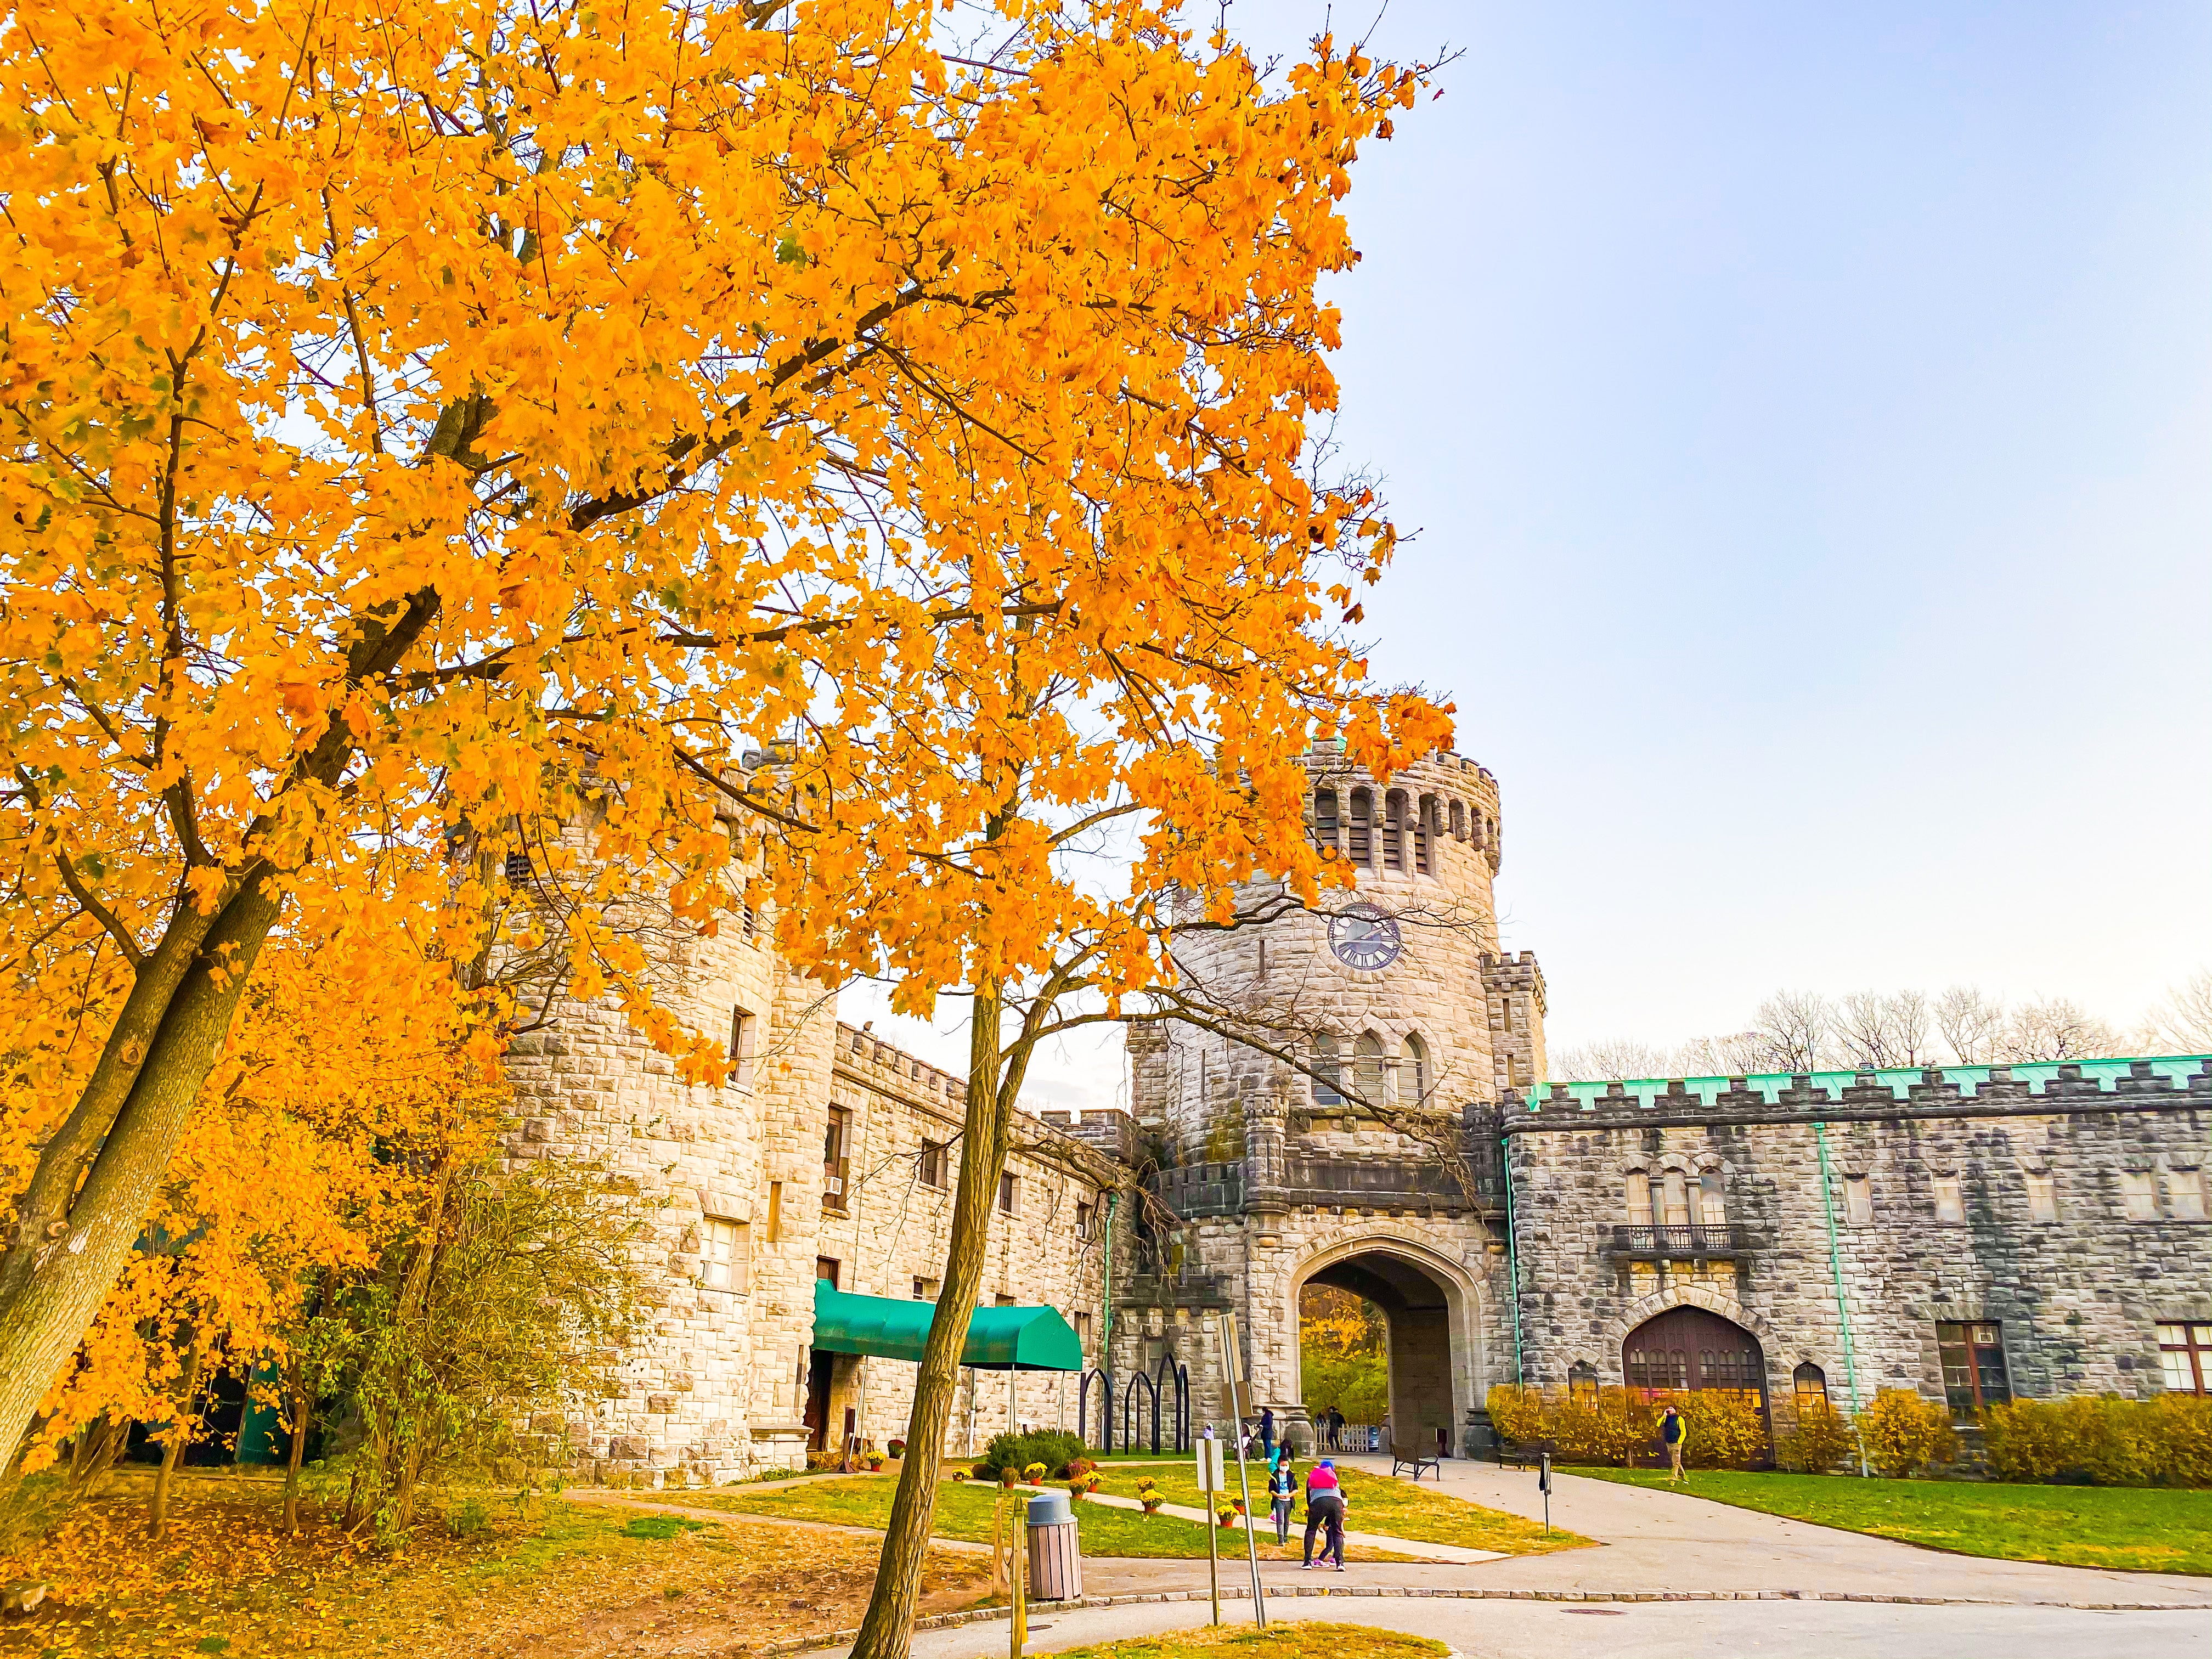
(1433, 1309)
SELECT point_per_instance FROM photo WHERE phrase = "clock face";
(1364, 938)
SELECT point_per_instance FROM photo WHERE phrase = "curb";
(986, 1615)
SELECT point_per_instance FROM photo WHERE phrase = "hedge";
(2102, 1440)
(1725, 1430)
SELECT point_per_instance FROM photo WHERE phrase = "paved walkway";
(1233, 1538)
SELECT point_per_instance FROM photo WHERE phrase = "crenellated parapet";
(2048, 1089)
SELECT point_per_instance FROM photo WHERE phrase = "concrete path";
(1544, 1630)
(1233, 1538)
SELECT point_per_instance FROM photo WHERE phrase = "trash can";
(1055, 1556)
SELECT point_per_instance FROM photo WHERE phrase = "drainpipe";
(1512, 1251)
(1106, 1285)
(1836, 1269)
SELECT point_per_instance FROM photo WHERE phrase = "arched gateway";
(1432, 1308)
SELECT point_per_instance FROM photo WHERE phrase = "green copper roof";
(999, 1339)
(2177, 1069)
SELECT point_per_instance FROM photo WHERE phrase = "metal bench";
(1404, 1457)
(1524, 1454)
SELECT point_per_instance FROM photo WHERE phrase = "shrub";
(1032, 1473)
(1054, 1448)
(467, 1520)
(1726, 1430)
(2102, 1440)
(1517, 1413)
(1817, 1439)
(1607, 1428)
(1904, 1433)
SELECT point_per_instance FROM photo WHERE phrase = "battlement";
(893, 1068)
(2036, 1089)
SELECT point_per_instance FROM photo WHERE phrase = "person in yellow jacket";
(1674, 1435)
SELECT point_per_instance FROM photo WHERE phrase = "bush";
(1727, 1431)
(1904, 1433)
(1817, 1440)
(1517, 1413)
(2102, 1440)
(1053, 1447)
(1607, 1428)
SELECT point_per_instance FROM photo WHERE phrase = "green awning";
(999, 1339)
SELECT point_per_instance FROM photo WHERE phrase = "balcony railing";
(1674, 1242)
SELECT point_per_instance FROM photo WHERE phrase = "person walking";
(1283, 1493)
(1335, 1429)
(1674, 1435)
(1267, 1432)
(1325, 1513)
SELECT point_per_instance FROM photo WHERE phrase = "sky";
(1805, 414)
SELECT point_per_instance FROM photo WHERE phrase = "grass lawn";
(1375, 1503)
(568, 1577)
(2135, 1529)
(1290, 1639)
(964, 1511)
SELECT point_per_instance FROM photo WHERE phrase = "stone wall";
(2076, 1286)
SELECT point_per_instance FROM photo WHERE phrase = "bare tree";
(1878, 1030)
(1738, 1054)
(1971, 1023)
(1793, 1032)
(1608, 1058)
(2182, 1022)
(2055, 1028)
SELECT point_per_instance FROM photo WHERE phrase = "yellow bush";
(1904, 1433)
(2103, 1439)
(1606, 1428)
(1726, 1430)
(1517, 1413)
(1817, 1439)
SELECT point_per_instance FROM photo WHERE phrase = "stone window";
(743, 1026)
(1327, 1076)
(1393, 830)
(2185, 1353)
(1858, 1201)
(1367, 1069)
(2184, 1194)
(1325, 818)
(1413, 1069)
(827, 1267)
(925, 1290)
(1009, 1194)
(1639, 1198)
(1973, 1356)
(934, 1164)
(774, 1212)
(1710, 1200)
(1425, 820)
(2042, 1197)
(1083, 1214)
(1950, 1207)
(1810, 1384)
(837, 1157)
(1002, 1300)
(1676, 1188)
(724, 1254)
(1459, 820)
(1082, 1322)
(1359, 841)
(1581, 1382)
(2139, 1195)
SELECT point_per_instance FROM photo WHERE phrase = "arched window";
(1424, 823)
(1325, 818)
(1709, 1204)
(1361, 849)
(1678, 1199)
(1811, 1383)
(1459, 820)
(1413, 1070)
(1581, 1382)
(1328, 1079)
(1367, 1069)
(1639, 1198)
(1393, 830)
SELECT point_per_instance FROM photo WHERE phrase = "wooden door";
(1686, 1348)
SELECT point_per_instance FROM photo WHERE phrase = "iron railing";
(1693, 1240)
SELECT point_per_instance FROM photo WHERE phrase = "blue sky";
(1807, 416)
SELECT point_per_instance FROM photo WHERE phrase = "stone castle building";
(1969, 1233)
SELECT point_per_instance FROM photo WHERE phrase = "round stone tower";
(1385, 989)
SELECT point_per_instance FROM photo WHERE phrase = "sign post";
(1232, 1352)
(1209, 1481)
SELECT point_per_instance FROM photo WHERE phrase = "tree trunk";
(60, 1270)
(303, 1411)
(182, 1427)
(887, 1629)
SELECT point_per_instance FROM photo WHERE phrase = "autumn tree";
(429, 432)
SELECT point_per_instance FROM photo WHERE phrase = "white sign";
(1212, 1469)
